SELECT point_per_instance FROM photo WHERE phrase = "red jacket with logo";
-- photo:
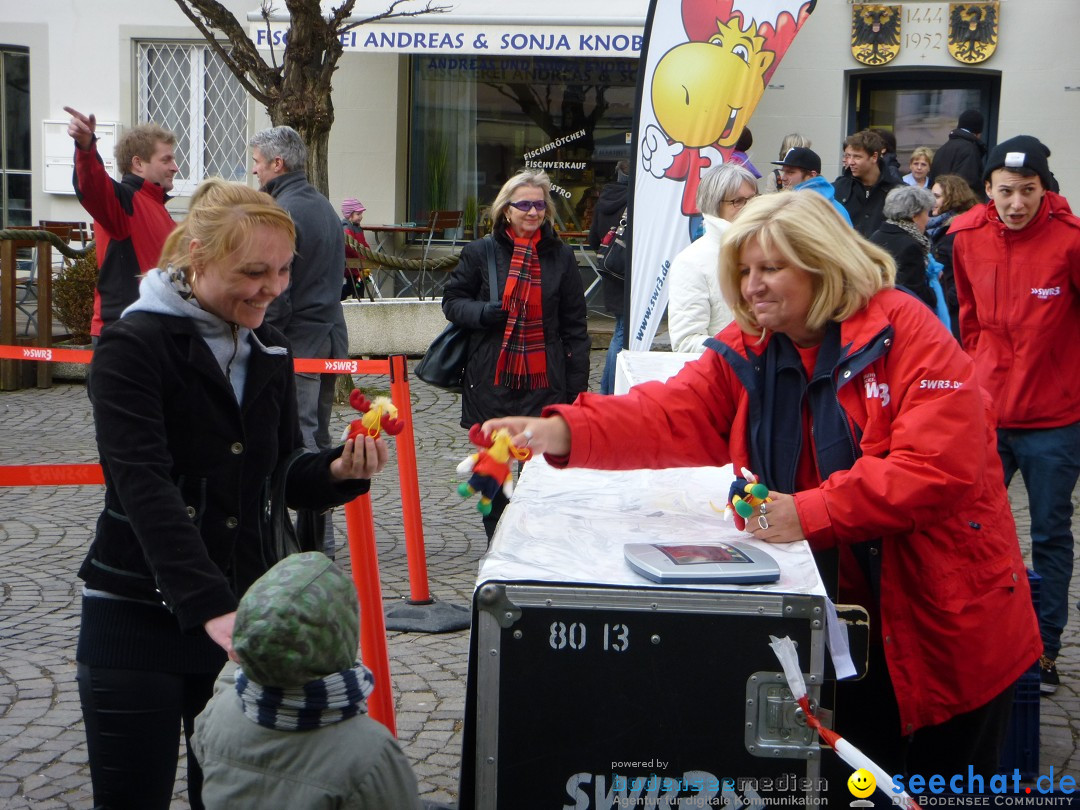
(130, 228)
(1019, 294)
(956, 616)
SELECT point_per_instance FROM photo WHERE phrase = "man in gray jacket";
(309, 311)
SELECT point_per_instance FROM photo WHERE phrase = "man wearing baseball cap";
(800, 170)
(1016, 262)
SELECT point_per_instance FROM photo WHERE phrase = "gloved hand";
(493, 315)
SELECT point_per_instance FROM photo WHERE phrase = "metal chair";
(438, 224)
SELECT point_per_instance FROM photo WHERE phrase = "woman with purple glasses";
(530, 347)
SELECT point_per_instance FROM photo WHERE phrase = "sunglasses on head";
(525, 205)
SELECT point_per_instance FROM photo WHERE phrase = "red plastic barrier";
(410, 487)
(47, 355)
(365, 572)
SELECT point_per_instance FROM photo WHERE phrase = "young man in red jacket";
(1017, 267)
(130, 220)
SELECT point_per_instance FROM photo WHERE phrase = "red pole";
(410, 486)
(360, 523)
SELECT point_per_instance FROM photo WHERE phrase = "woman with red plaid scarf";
(529, 348)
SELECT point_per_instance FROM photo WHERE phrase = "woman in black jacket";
(952, 197)
(907, 210)
(195, 412)
(530, 348)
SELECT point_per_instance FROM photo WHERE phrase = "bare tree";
(297, 91)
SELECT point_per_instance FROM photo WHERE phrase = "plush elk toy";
(490, 467)
(379, 414)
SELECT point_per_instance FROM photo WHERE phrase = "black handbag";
(611, 255)
(285, 538)
(443, 364)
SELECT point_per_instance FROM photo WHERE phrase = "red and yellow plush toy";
(490, 467)
(379, 414)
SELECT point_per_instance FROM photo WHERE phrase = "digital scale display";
(704, 563)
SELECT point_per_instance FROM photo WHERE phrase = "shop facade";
(436, 111)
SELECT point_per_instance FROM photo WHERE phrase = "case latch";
(775, 723)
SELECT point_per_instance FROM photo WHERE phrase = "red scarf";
(522, 360)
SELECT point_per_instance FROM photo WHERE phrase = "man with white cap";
(1016, 262)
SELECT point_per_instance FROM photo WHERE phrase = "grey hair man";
(309, 311)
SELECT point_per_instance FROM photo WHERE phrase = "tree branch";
(244, 59)
(390, 13)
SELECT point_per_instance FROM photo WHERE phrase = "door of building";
(921, 108)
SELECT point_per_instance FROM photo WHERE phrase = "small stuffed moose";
(379, 414)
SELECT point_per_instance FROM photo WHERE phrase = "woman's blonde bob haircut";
(536, 178)
(801, 229)
(222, 219)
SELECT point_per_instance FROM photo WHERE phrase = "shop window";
(187, 89)
(478, 120)
(919, 109)
(15, 136)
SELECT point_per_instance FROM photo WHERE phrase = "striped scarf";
(522, 362)
(316, 704)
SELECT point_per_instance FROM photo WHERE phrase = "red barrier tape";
(305, 365)
(37, 475)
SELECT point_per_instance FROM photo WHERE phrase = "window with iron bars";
(186, 88)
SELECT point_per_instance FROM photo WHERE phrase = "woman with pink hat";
(353, 212)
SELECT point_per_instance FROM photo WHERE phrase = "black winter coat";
(910, 261)
(565, 328)
(964, 155)
(866, 207)
(187, 469)
(609, 208)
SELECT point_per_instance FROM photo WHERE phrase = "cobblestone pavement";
(44, 532)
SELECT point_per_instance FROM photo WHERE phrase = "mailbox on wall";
(59, 154)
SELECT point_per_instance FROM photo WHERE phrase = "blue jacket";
(825, 189)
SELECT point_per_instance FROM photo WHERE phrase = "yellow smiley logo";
(861, 783)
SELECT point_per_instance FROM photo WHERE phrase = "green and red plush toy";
(490, 467)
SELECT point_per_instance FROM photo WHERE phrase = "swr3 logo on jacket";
(876, 390)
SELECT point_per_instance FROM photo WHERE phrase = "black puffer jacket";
(565, 328)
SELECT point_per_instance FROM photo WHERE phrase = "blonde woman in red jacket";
(865, 419)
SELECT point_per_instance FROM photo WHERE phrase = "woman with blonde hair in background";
(919, 165)
(530, 348)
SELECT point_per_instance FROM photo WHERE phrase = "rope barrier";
(386, 260)
(45, 236)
